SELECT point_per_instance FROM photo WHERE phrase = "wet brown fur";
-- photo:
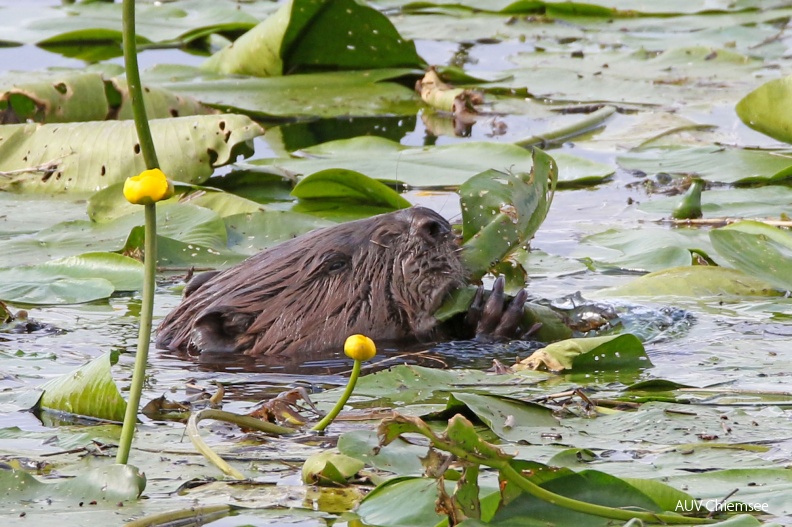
(383, 276)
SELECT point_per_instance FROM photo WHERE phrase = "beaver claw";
(496, 319)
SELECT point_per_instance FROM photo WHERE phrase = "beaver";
(383, 276)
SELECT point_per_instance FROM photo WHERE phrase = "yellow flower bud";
(150, 186)
(360, 347)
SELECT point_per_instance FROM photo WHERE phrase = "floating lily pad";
(636, 250)
(510, 419)
(446, 166)
(714, 164)
(71, 280)
(100, 22)
(60, 96)
(759, 250)
(63, 157)
(698, 281)
(183, 222)
(328, 94)
(107, 484)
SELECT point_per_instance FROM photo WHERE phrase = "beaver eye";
(336, 263)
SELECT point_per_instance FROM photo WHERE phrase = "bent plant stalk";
(150, 255)
(461, 440)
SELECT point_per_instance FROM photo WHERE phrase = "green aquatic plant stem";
(144, 335)
(150, 245)
(228, 417)
(135, 88)
(514, 477)
(580, 127)
(197, 515)
(326, 420)
(477, 451)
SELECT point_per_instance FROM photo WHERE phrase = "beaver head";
(383, 276)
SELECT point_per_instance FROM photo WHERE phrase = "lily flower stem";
(150, 262)
(144, 335)
(326, 420)
(135, 87)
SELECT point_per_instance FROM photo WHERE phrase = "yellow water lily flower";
(360, 347)
(150, 186)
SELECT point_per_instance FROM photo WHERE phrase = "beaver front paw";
(497, 318)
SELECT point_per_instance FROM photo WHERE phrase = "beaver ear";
(197, 281)
(431, 229)
(218, 330)
(384, 234)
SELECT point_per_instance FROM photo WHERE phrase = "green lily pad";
(88, 391)
(325, 94)
(186, 223)
(173, 253)
(309, 35)
(330, 468)
(60, 96)
(63, 157)
(441, 167)
(714, 164)
(697, 281)
(71, 280)
(398, 457)
(250, 233)
(385, 505)
(759, 250)
(100, 22)
(575, 171)
(609, 353)
(511, 419)
(107, 484)
(348, 185)
(502, 211)
(635, 250)
(761, 202)
(761, 110)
